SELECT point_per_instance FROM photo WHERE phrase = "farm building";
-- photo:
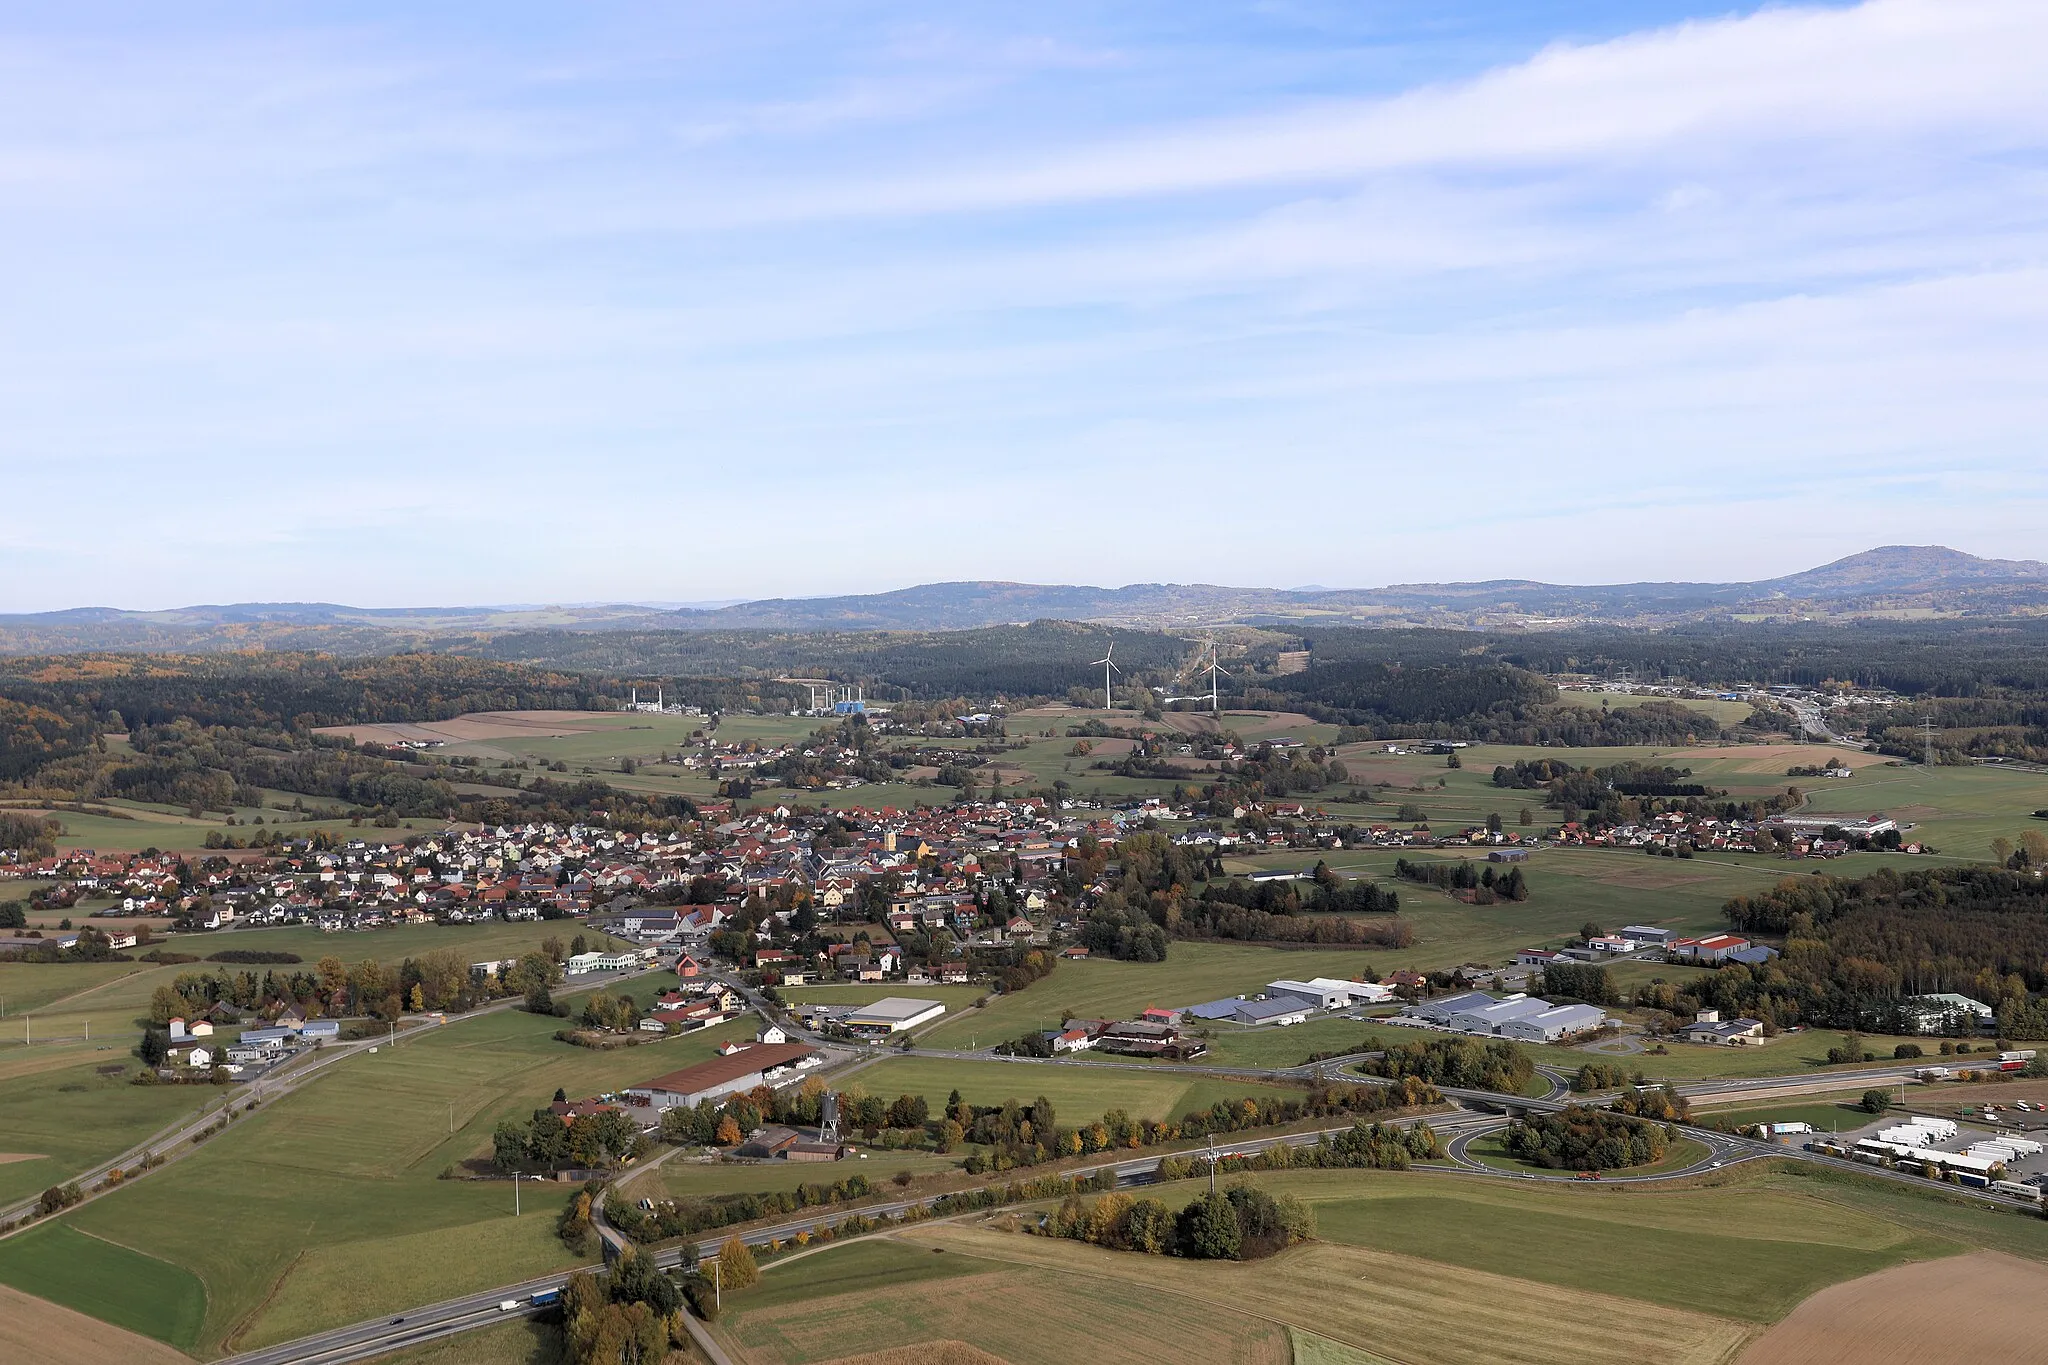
(1649, 935)
(1559, 1021)
(893, 1015)
(742, 1069)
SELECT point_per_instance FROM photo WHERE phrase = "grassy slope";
(62, 1264)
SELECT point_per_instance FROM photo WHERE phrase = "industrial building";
(741, 1069)
(1518, 1016)
(1559, 1021)
(893, 1015)
(1489, 1017)
(1327, 993)
(1948, 1013)
(1440, 1011)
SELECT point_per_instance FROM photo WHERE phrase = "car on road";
(396, 1321)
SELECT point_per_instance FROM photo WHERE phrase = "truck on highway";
(545, 1297)
(509, 1306)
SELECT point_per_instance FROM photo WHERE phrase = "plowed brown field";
(1984, 1307)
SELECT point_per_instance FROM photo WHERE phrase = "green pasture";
(108, 1281)
(853, 1269)
(682, 1177)
(58, 1109)
(1079, 1094)
(329, 1204)
(1749, 1249)
(391, 943)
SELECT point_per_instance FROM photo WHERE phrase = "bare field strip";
(478, 725)
(1395, 1306)
(925, 1353)
(1982, 1307)
(35, 1331)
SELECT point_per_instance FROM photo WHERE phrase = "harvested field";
(6, 1157)
(478, 725)
(1021, 1315)
(35, 1331)
(1986, 1306)
(929, 1353)
(1391, 1305)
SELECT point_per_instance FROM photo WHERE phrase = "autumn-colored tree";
(736, 1266)
(728, 1132)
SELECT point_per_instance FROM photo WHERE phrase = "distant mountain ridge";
(1886, 580)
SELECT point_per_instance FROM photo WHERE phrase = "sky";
(392, 304)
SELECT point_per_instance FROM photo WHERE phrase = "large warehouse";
(742, 1069)
(1559, 1021)
(893, 1015)
(1327, 993)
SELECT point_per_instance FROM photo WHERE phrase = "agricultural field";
(59, 1263)
(1995, 1308)
(59, 1115)
(395, 942)
(330, 1204)
(1567, 888)
(682, 1177)
(1427, 1268)
(1077, 1093)
(37, 1331)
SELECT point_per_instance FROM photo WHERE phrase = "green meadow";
(330, 1204)
(140, 1293)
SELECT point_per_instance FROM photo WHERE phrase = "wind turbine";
(1107, 703)
(1214, 669)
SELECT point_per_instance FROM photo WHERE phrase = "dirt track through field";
(35, 1331)
(1986, 1307)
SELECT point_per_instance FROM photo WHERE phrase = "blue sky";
(525, 302)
